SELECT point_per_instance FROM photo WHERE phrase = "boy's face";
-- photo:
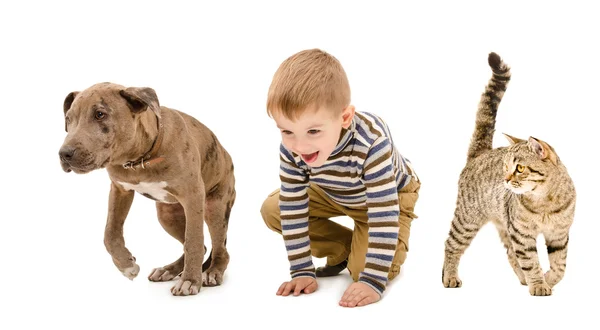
(315, 134)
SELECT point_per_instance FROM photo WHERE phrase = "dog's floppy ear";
(67, 105)
(141, 98)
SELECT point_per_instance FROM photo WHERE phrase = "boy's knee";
(270, 212)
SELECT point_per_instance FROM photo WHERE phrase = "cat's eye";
(520, 168)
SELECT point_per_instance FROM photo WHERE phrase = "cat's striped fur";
(524, 189)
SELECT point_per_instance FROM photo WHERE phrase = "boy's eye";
(286, 132)
(314, 131)
(520, 168)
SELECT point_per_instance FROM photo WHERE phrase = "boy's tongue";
(309, 158)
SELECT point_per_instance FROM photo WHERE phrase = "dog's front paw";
(185, 287)
(212, 277)
(131, 272)
(161, 275)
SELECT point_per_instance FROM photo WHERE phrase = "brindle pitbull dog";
(165, 155)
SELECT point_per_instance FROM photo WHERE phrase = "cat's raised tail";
(485, 121)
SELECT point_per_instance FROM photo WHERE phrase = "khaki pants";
(337, 242)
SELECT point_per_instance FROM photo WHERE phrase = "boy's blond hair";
(311, 78)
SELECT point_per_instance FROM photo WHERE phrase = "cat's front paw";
(451, 281)
(540, 289)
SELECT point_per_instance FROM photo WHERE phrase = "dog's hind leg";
(172, 219)
(218, 209)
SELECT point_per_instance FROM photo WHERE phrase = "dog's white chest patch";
(154, 190)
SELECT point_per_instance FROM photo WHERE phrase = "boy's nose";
(301, 148)
(303, 151)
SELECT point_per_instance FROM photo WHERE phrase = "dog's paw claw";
(212, 278)
(161, 275)
(131, 272)
(185, 288)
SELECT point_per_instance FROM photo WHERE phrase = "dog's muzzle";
(66, 154)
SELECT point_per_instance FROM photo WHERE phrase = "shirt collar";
(345, 137)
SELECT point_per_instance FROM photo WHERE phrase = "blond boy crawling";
(335, 161)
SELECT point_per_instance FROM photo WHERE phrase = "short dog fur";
(165, 155)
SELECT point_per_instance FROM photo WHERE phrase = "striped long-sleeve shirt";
(365, 171)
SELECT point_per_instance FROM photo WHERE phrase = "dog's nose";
(66, 153)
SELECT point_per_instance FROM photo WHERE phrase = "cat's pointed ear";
(542, 149)
(511, 139)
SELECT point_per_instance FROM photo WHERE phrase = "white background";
(421, 67)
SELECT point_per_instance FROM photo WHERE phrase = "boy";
(335, 161)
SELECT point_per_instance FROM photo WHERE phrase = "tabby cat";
(524, 189)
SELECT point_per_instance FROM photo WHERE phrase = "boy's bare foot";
(327, 270)
(298, 285)
(359, 294)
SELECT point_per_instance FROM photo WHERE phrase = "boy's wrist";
(304, 274)
(375, 284)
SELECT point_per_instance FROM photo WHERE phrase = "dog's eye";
(99, 115)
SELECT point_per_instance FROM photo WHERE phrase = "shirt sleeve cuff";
(304, 274)
(373, 283)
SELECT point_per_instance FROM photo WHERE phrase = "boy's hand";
(359, 294)
(298, 285)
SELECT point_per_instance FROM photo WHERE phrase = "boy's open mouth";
(309, 158)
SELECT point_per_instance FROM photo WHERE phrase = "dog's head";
(102, 123)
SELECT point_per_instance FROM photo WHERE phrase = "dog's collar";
(142, 163)
(150, 157)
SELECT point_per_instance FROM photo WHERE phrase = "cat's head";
(529, 165)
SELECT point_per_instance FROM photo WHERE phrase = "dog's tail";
(485, 122)
(208, 261)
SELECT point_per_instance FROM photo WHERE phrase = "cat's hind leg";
(462, 232)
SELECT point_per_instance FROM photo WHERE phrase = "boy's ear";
(347, 116)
